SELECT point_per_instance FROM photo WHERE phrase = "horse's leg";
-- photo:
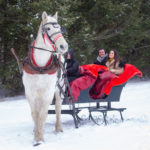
(35, 117)
(41, 118)
(58, 102)
(39, 110)
(35, 112)
(31, 102)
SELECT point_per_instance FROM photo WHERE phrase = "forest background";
(123, 25)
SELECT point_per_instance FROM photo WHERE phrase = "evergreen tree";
(90, 25)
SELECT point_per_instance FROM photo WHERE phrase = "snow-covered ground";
(16, 126)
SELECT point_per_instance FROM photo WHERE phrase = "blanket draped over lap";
(129, 72)
(91, 75)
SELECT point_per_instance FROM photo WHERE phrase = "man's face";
(101, 53)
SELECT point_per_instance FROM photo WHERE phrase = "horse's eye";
(48, 28)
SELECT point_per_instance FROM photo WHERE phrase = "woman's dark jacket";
(72, 67)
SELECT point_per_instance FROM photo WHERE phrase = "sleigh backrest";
(113, 96)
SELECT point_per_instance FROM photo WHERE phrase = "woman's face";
(111, 54)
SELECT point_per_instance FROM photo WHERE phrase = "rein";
(43, 49)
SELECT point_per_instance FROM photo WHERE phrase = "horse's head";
(51, 27)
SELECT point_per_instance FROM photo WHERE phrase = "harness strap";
(61, 90)
(45, 36)
(55, 34)
(30, 68)
(57, 37)
(38, 48)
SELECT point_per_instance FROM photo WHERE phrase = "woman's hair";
(116, 56)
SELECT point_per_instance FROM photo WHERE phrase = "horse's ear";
(44, 16)
(56, 15)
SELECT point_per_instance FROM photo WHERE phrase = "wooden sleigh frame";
(92, 105)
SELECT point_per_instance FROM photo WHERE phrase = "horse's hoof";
(37, 143)
(59, 130)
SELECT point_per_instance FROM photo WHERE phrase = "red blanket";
(98, 88)
(86, 80)
(90, 74)
(129, 72)
(94, 69)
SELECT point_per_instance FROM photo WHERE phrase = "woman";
(114, 63)
(115, 68)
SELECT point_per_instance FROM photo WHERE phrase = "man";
(102, 57)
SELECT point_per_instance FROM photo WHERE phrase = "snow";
(16, 126)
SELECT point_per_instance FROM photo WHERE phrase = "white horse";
(40, 74)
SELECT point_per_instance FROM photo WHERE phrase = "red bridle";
(45, 38)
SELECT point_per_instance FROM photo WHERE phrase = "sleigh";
(97, 108)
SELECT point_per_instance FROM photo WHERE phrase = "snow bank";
(16, 126)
